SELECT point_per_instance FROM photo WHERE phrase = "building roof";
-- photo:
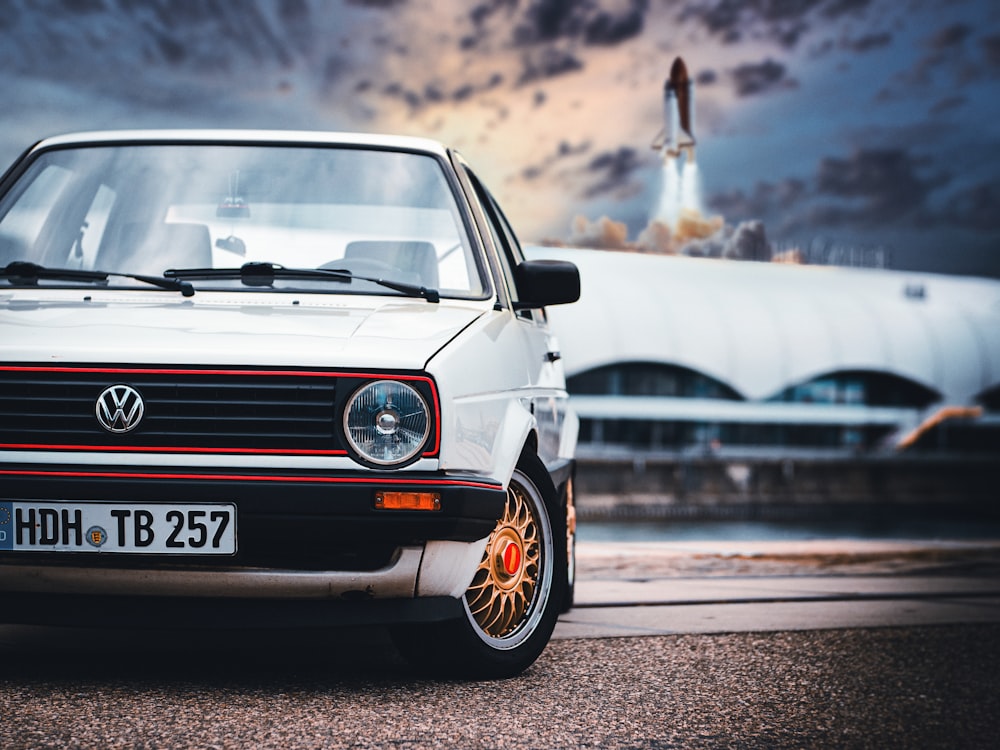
(762, 327)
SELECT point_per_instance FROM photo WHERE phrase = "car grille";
(210, 410)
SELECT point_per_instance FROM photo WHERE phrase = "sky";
(847, 128)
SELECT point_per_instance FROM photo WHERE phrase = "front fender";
(489, 433)
(487, 386)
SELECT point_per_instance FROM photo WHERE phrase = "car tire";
(516, 594)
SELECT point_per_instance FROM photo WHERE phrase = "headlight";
(387, 422)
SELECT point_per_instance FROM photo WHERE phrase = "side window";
(503, 237)
(512, 243)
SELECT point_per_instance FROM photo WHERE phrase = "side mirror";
(546, 282)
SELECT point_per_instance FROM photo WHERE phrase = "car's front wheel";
(511, 606)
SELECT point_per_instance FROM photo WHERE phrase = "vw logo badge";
(119, 408)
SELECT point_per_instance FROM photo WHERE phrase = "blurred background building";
(706, 381)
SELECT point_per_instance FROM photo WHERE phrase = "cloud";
(396, 90)
(991, 48)
(884, 181)
(547, 62)
(556, 68)
(547, 20)
(778, 202)
(837, 8)
(435, 92)
(481, 14)
(603, 234)
(746, 241)
(871, 188)
(706, 77)
(467, 90)
(615, 170)
(868, 42)
(565, 150)
(781, 21)
(379, 4)
(83, 6)
(587, 21)
(212, 40)
(485, 10)
(608, 28)
(949, 37)
(947, 104)
(947, 54)
(975, 207)
(694, 235)
(758, 78)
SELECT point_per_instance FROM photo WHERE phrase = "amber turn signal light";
(407, 501)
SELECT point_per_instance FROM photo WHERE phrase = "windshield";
(143, 209)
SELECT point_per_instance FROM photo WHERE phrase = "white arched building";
(672, 354)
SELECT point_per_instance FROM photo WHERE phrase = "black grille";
(250, 410)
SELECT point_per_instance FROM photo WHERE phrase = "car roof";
(224, 136)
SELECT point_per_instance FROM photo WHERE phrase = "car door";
(545, 386)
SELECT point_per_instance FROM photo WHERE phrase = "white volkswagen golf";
(280, 379)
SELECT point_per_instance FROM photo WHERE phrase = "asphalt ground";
(779, 680)
(661, 588)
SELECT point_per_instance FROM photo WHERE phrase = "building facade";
(671, 356)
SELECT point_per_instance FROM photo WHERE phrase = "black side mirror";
(546, 282)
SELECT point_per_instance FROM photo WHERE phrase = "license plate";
(135, 528)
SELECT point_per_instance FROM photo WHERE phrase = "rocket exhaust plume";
(691, 188)
(668, 209)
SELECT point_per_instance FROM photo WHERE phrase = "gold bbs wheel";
(510, 609)
(511, 587)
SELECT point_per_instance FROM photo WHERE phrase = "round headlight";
(387, 422)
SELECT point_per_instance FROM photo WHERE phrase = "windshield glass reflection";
(143, 209)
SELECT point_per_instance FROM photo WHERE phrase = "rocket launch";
(680, 196)
(677, 135)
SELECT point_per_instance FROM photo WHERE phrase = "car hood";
(269, 329)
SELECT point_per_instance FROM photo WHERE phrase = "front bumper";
(301, 536)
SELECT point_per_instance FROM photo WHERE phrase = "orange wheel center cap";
(512, 558)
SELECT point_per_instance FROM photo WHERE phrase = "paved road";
(793, 680)
(733, 587)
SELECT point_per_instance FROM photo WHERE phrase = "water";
(742, 530)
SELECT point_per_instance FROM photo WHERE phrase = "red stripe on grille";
(251, 478)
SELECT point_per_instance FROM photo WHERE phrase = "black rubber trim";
(211, 613)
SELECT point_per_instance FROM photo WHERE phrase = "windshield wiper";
(29, 274)
(264, 274)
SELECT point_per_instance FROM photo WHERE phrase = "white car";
(265, 378)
